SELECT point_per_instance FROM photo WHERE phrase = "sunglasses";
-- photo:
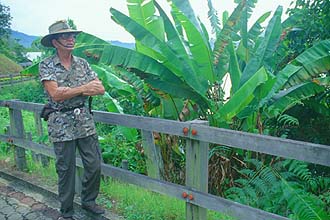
(66, 36)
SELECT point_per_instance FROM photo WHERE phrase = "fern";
(281, 188)
(288, 120)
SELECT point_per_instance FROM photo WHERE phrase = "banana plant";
(175, 59)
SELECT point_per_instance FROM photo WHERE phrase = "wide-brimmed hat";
(58, 27)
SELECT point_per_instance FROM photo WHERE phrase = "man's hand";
(92, 88)
(59, 94)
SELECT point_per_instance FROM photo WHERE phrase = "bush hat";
(58, 27)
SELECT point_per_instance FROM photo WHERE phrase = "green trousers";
(90, 153)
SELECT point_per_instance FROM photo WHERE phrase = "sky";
(33, 17)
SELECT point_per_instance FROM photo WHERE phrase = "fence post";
(154, 160)
(11, 79)
(17, 130)
(7, 132)
(196, 172)
(38, 123)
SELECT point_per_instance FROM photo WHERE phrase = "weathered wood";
(29, 145)
(196, 173)
(124, 164)
(17, 130)
(309, 152)
(7, 132)
(170, 189)
(154, 160)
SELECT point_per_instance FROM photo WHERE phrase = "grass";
(8, 66)
(130, 201)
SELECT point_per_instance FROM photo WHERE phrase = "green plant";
(285, 187)
(135, 203)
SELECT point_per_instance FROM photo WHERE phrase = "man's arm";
(59, 94)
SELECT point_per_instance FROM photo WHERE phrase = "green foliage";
(27, 91)
(285, 187)
(9, 47)
(136, 203)
(310, 22)
(120, 144)
(5, 19)
(8, 66)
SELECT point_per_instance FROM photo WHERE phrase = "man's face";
(65, 41)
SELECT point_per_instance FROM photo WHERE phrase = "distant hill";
(26, 40)
(123, 44)
(8, 66)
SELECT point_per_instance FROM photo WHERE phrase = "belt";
(67, 109)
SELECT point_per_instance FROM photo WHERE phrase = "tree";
(5, 19)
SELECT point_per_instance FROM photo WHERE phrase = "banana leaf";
(293, 96)
(243, 96)
(198, 47)
(220, 54)
(170, 60)
(314, 61)
(143, 12)
(266, 48)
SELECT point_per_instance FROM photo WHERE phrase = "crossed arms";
(59, 94)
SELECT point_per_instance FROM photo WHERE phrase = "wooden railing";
(12, 78)
(198, 135)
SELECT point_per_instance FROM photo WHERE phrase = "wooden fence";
(198, 135)
(13, 78)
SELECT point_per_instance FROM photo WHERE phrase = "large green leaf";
(150, 70)
(114, 81)
(220, 54)
(171, 60)
(293, 96)
(186, 9)
(243, 96)
(143, 12)
(172, 35)
(199, 48)
(234, 70)
(314, 61)
(266, 48)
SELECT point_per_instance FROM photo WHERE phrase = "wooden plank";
(19, 105)
(17, 130)
(140, 122)
(29, 145)
(196, 174)
(154, 160)
(309, 152)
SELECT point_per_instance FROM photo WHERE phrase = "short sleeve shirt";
(68, 125)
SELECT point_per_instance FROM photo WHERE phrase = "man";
(69, 81)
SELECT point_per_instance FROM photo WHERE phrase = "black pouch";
(46, 111)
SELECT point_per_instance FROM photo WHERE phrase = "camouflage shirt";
(69, 125)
